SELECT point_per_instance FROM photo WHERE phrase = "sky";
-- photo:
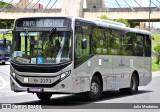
(107, 3)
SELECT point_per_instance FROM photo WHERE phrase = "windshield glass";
(38, 48)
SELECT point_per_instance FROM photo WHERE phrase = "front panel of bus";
(41, 52)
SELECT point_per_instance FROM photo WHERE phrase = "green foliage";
(124, 21)
(2, 4)
(121, 20)
(7, 36)
(155, 40)
(134, 24)
(6, 24)
(157, 48)
(104, 17)
(155, 66)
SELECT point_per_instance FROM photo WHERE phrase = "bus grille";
(39, 69)
(36, 69)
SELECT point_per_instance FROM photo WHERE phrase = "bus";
(73, 55)
(5, 46)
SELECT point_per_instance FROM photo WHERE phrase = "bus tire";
(133, 86)
(3, 63)
(44, 96)
(95, 89)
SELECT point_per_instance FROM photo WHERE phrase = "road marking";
(8, 74)
(4, 84)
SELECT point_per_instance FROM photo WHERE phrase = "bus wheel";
(44, 96)
(3, 63)
(95, 89)
(133, 86)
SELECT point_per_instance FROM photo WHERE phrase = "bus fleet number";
(45, 81)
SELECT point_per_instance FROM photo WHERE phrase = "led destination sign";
(42, 23)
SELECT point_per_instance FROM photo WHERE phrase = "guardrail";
(85, 9)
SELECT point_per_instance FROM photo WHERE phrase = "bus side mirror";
(84, 44)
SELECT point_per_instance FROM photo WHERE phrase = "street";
(146, 94)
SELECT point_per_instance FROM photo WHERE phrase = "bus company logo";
(105, 60)
(35, 81)
(6, 106)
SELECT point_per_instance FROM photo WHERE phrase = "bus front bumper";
(64, 86)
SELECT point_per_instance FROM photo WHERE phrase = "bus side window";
(139, 45)
(147, 46)
(115, 42)
(100, 41)
(95, 39)
(128, 44)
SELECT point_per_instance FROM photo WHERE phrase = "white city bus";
(52, 55)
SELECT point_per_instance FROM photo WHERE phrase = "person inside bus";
(66, 53)
(56, 48)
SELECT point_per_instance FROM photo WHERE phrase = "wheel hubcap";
(94, 88)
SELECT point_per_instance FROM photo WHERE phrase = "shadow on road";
(77, 100)
(4, 65)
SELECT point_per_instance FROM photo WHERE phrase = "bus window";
(147, 46)
(128, 44)
(115, 42)
(139, 45)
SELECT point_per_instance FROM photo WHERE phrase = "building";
(23, 3)
(93, 4)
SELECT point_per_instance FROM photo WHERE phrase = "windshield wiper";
(27, 34)
(50, 33)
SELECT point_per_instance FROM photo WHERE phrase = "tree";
(134, 24)
(104, 17)
(2, 4)
(124, 21)
(121, 20)
(157, 50)
(6, 24)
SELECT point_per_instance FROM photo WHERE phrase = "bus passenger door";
(82, 54)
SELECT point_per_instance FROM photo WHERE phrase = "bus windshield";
(41, 47)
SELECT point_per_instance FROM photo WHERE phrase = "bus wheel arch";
(98, 74)
(134, 83)
(96, 87)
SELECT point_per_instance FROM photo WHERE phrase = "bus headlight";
(65, 74)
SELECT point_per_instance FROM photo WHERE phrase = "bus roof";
(115, 25)
(101, 23)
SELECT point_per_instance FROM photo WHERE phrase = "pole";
(149, 14)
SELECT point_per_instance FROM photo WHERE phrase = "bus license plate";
(41, 80)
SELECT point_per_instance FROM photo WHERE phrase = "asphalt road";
(146, 94)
